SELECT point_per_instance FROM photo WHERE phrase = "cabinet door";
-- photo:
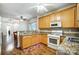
(26, 41)
(33, 40)
(44, 22)
(77, 21)
(44, 39)
(41, 22)
(77, 11)
(68, 18)
(47, 20)
(39, 38)
(52, 17)
(58, 16)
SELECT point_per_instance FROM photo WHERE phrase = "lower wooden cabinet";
(29, 40)
(25, 41)
(44, 39)
(35, 39)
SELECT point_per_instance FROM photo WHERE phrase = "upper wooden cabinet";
(77, 11)
(77, 21)
(41, 22)
(58, 16)
(68, 18)
(52, 17)
(44, 22)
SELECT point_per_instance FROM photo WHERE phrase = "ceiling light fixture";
(21, 18)
(41, 9)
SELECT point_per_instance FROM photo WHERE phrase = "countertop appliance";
(55, 24)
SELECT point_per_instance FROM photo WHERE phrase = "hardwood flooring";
(38, 49)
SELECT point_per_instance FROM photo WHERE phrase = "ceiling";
(27, 10)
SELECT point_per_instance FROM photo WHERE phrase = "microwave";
(55, 24)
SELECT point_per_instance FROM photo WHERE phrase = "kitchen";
(39, 28)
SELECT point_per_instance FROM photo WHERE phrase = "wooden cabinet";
(44, 39)
(78, 11)
(26, 41)
(41, 22)
(58, 16)
(44, 22)
(68, 18)
(29, 40)
(77, 21)
(39, 38)
(35, 39)
(52, 17)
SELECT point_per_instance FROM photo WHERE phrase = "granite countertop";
(32, 33)
(69, 48)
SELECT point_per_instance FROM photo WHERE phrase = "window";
(33, 26)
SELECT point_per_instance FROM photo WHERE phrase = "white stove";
(54, 39)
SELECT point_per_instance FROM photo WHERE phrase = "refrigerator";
(7, 40)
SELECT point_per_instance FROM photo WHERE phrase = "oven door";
(54, 41)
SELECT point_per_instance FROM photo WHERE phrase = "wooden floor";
(39, 49)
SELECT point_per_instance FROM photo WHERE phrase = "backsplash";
(71, 32)
(66, 31)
